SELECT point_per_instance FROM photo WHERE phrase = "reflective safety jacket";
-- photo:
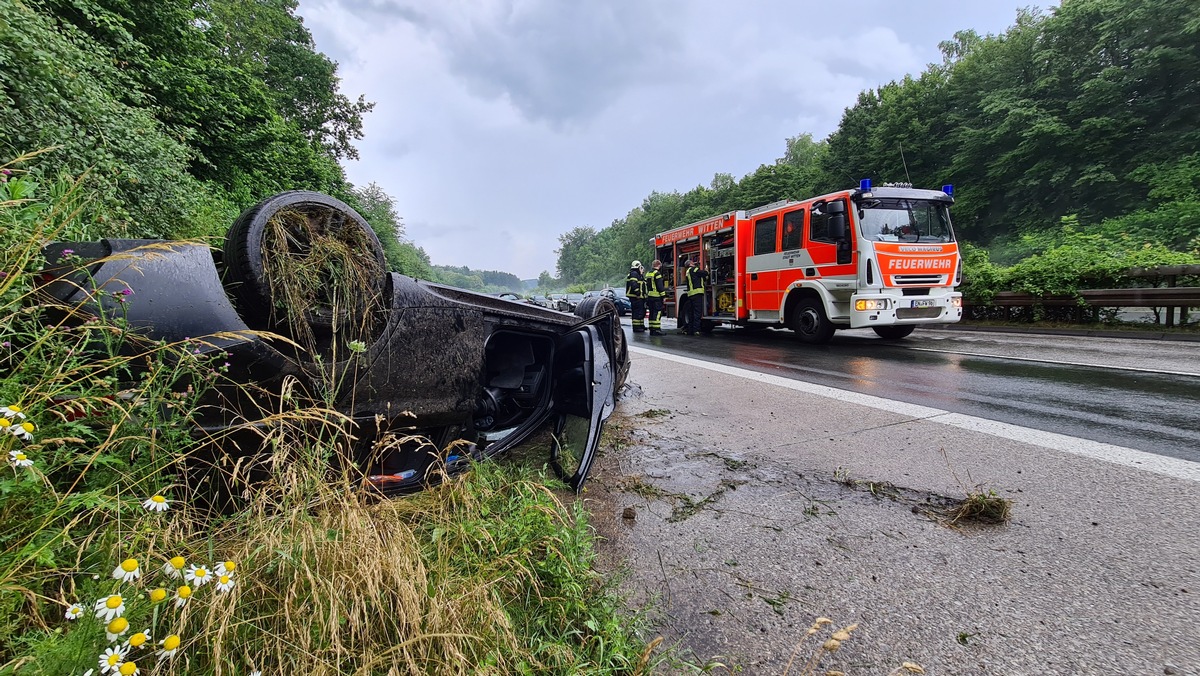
(696, 280)
(635, 284)
(655, 286)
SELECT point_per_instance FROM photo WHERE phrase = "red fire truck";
(883, 258)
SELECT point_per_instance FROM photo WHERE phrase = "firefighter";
(635, 288)
(655, 290)
(696, 278)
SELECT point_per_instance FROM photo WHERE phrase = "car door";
(584, 397)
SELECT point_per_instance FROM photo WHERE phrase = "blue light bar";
(865, 185)
(948, 189)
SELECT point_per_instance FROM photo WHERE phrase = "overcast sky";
(500, 124)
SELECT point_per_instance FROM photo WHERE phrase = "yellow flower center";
(113, 602)
(159, 499)
(201, 573)
(5, 422)
(230, 565)
(138, 639)
(171, 642)
(129, 565)
(14, 408)
(118, 626)
(113, 659)
(128, 669)
(158, 595)
(21, 457)
(224, 579)
(184, 592)
(177, 562)
(28, 426)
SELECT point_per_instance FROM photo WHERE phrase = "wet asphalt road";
(1141, 394)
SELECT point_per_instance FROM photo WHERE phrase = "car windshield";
(901, 220)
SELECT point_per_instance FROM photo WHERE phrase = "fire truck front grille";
(931, 280)
(918, 312)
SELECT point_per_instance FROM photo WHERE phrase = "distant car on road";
(573, 300)
(618, 298)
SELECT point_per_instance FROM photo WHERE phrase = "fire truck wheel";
(893, 332)
(810, 323)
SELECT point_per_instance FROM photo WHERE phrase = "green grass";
(490, 573)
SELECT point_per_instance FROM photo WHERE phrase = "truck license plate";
(924, 303)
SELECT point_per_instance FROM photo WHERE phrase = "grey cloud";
(559, 62)
(381, 12)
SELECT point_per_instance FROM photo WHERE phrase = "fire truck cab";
(884, 258)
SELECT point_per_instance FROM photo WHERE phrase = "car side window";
(818, 227)
(764, 235)
(793, 225)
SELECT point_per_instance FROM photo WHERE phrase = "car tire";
(246, 271)
(809, 322)
(592, 307)
(893, 332)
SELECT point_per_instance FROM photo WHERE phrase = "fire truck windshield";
(904, 220)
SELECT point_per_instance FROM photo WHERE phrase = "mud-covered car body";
(459, 373)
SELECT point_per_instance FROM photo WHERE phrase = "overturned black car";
(300, 293)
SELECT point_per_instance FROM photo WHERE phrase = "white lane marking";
(1057, 362)
(1119, 455)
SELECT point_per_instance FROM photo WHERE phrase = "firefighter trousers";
(655, 304)
(638, 313)
(695, 312)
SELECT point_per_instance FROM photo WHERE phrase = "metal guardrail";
(1170, 298)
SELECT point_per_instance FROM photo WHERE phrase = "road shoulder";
(756, 509)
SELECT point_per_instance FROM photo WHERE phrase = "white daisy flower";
(169, 645)
(11, 412)
(22, 431)
(128, 571)
(157, 503)
(139, 639)
(198, 575)
(256, 672)
(116, 628)
(174, 567)
(226, 568)
(111, 660)
(110, 607)
(19, 459)
(74, 612)
(225, 583)
(182, 595)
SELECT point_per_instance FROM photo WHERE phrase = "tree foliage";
(180, 113)
(1088, 114)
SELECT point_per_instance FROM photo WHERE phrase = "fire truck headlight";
(957, 301)
(869, 304)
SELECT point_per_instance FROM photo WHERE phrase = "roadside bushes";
(1067, 261)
